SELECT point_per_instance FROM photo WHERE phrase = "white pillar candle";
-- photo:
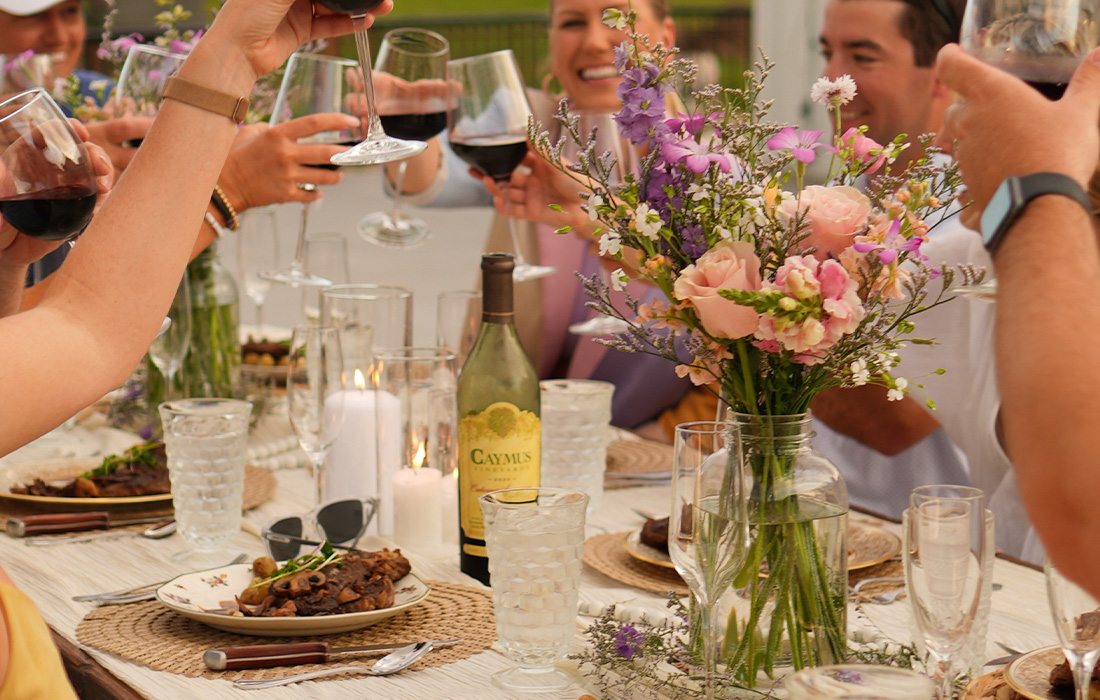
(449, 490)
(417, 509)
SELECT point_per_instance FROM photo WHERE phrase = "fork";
(886, 597)
(133, 595)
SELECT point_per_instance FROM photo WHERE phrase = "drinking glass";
(205, 443)
(371, 319)
(417, 56)
(327, 256)
(457, 320)
(48, 187)
(170, 346)
(576, 427)
(315, 396)
(708, 527)
(26, 70)
(258, 250)
(600, 136)
(944, 550)
(535, 540)
(141, 82)
(313, 84)
(487, 128)
(1076, 617)
(377, 146)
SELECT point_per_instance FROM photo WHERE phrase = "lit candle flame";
(418, 458)
(360, 380)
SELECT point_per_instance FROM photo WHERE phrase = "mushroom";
(263, 567)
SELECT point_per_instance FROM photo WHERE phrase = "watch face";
(996, 211)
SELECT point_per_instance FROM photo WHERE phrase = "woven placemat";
(607, 554)
(154, 636)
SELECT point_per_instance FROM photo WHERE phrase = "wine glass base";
(532, 680)
(525, 272)
(381, 150)
(381, 229)
(601, 325)
(198, 559)
(296, 278)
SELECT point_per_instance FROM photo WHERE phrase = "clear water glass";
(205, 443)
(457, 320)
(1076, 615)
(576, 420)
(535, 540)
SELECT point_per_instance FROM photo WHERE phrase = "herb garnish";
(311, 561)
(145, 453)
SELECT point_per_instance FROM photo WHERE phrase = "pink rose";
(728, 265)
(833, 214)
(862, 147)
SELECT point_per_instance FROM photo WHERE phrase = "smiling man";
(47, 27)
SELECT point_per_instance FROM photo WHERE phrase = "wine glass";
(48, 187)
(170, 346)
(258, 249)
(377, 146)
(26, 70)
(313, 84)
(315, 397)
(141, 82)
(708, 527)
(326, 254)
(1076, 617)
(600, 135)
(487, 128)
(457, 321)
(945, 541)
(419, 113)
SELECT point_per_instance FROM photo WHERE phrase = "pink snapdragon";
(819, 306)
(863, 150)
(801, 144)
(695, 156)
(728, 265)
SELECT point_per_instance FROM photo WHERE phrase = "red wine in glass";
(52, 215)
(496, 156)
(415, 127)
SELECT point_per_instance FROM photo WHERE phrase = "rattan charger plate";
(151, 635)
(608, 555)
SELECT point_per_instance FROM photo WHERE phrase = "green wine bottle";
(499, 432)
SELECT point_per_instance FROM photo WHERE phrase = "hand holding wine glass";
(315, 398)
(1076, 617)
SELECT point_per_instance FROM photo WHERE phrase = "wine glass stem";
(399, 185)
(373, 129)
(710, 644)
(1082, 675)
(317, 470)
(943, 676)
(260, 317)
(513, 227)
(300, 245)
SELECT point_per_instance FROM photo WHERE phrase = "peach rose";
(833, 214)
(728, 265)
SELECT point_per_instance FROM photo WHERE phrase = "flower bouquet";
(776, 290)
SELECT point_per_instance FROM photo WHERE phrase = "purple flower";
(695, 243)
(641, 114)
(891, 245)
(801, 144)
(146, 433)
(628, 641)
(695, 156)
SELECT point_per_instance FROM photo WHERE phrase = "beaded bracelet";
(221, 203)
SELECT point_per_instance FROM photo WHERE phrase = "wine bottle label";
(499, 448)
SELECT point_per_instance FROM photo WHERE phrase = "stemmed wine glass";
(258, 249)
(600, 134)
(487, 128)
(142, 79)
(1039, 41)
(170, 346)
(327, 254)
(313, 84)
(47, 186)
(945, 541)
(315, 396)
(377, 147)
(1076, 617)
(708, 527)
(417, 113)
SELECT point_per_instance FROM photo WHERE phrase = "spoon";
(390, 663)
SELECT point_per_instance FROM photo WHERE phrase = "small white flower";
(860, 374)
(594, 200)
(723, 233)
(647, 221)
(619, 280)
(98, 86)
(610, 243)
(698, 192)
(833, 93)
(897, 393)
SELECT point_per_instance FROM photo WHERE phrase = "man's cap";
(22, 8)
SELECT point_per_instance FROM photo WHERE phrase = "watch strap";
(208, 99)
(1024, 189)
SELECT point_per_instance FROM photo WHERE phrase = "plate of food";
(323, 592)
(868, 545)
(137, 476)
(265, 358)
(1044, 674)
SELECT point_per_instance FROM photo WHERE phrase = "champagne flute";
(1076, 617)
(600, 135)
(313, 84)
(487, 128)
(418, 113)
(708, 527)
(945, 540)
(258, 249)
(47, 186)
(377, 146)
(315, 397)
(170, 346)
(327, 254)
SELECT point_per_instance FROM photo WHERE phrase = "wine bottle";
(499, 432)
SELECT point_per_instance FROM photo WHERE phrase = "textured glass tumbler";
(205, 442)
(535, 540)
(576, 414)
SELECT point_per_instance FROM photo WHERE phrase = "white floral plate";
(209, 596)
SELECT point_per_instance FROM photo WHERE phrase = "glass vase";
(788, 607)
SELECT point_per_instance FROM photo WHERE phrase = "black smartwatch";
(1013, 195)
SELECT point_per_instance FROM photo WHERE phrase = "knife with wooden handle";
(49, 523)
(293, 654)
